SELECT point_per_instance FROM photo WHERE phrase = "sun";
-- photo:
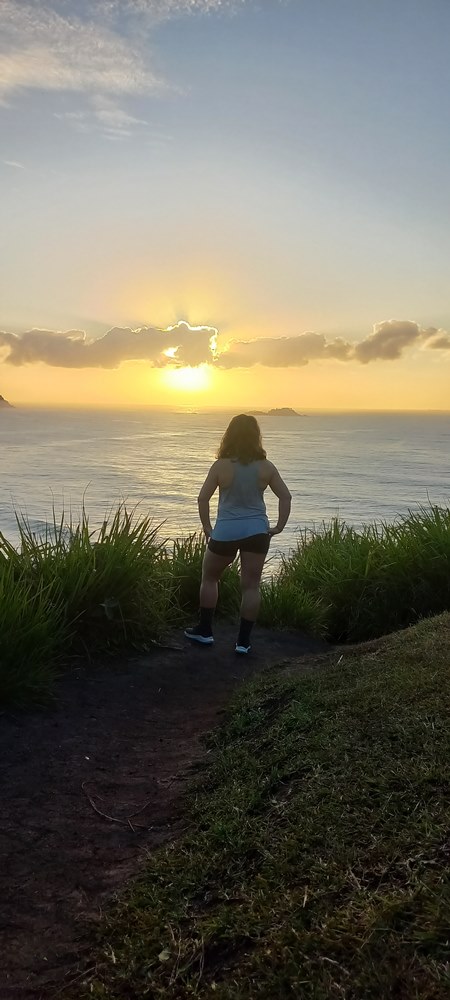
(188, 379)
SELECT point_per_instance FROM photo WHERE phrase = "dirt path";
(121, 741)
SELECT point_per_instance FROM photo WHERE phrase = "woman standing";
(241, 473)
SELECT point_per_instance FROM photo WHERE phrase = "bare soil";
(92, 784)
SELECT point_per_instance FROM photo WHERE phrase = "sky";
(240, 203)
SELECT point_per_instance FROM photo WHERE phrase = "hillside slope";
(318, 859)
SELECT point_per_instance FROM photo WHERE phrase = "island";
(282, 411)
(4, 403)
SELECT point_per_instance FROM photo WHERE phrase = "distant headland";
(4, 403)
(282, 411)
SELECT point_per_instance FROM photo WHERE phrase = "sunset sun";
(188, 379)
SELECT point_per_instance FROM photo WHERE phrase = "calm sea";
(362, 467)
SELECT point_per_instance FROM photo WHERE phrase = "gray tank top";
(241, 511)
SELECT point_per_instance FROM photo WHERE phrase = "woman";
(242, 473)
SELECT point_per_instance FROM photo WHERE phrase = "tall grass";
(112, 574)
(75, 588)
(184, 566)
(32, 634)
(382, 578)
(285, 604)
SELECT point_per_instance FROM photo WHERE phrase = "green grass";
(317, 862)
(125, 585)
(183, 562)
(32, 635)
(110, 574)
(376, 580)
(77, 590)
(284, 604)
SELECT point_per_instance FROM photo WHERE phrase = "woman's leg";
(251, 569)
(213, 567)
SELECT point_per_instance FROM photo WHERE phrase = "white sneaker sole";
(242, 650)
(204, 640)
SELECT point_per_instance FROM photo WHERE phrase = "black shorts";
(254, 543)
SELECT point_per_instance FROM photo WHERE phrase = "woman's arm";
(209, 487)
(278, 486)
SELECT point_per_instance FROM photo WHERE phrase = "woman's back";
(243, 495)
(241, 511)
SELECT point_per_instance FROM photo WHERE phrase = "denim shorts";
(254, 543)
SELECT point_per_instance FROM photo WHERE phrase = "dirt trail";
(121, 741)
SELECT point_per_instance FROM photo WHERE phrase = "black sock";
(206, 618)
(245, 629)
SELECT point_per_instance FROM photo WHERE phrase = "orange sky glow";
(247, 174)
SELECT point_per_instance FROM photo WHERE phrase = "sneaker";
(242, 650)
(198, 636)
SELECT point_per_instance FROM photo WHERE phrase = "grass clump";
(74, 589)
(375, 581)
(317, 862)
(285, 604)
(112, 573)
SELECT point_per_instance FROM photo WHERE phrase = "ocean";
(362, 467)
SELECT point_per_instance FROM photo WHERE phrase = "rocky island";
(4, 403)
(282, 411)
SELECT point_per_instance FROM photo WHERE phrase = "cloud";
(92, 47)
(14, 163)
(387, 342)
(72, 349)
(184, 345)
(441, 342)
(113, 117)
(274, 352)
(163, 10)
(114, 122)
(43, 49)
(284, 352)
(338, 349)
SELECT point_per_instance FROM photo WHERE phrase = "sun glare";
(188, 379)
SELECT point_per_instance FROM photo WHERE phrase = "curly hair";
(242, 440)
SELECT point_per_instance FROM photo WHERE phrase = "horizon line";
(180, 408)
